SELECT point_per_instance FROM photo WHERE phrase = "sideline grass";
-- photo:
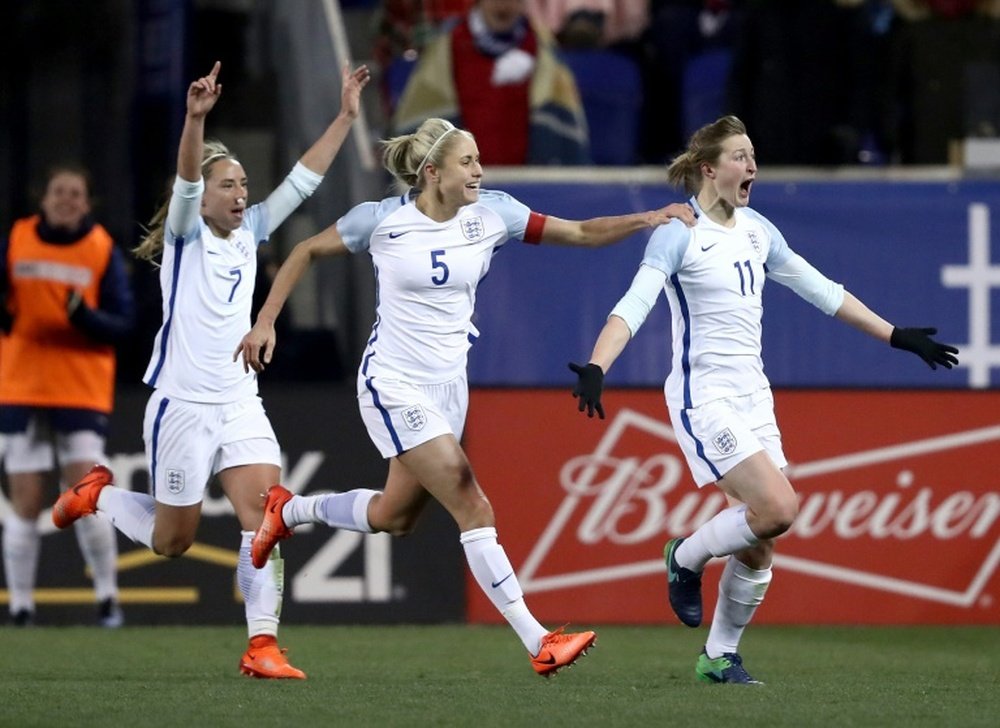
(479, 676)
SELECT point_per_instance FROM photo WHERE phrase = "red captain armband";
(533, 230)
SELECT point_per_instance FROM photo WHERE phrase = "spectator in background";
(678, 31)
(944, 9)
(496, 74)
(812, 77)
(66, 301)
(406, 26)
(943, 85)
(581, 24)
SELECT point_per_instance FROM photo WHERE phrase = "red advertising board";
(899, 520)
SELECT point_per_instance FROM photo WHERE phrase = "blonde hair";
(705, 147)
(406, 156)
(152, 243)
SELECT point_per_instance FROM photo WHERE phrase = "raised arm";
(600, 231)
(320, 155)
(201, 97)
(257, 346)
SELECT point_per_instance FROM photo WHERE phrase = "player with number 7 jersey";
(204, 418)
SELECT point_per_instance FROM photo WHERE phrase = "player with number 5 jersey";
(430, 248)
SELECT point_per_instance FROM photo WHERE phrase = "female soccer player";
(204, 418)
(430, 248)
(719, 400)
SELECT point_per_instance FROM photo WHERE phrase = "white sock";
(262, 589)
(96, 536)
(726, 533)
(338, 510)
(495, 576)
(741, 590)
(20, 560)
(134, 514)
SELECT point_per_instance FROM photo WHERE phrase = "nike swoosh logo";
(212, 252)
(550, 660)
(498, 583)
(705, 250)
(80, 486)
(274, 508)
(398, 235)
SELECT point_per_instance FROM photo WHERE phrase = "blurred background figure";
(496, 73)
(66, 301)
(583, 24)
(601, 42)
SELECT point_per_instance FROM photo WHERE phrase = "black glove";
(589, 383)
(919, 341)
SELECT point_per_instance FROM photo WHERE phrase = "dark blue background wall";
(888, 242)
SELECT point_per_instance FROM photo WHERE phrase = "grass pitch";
(479, 676)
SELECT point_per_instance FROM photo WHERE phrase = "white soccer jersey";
(426, 275)
(207, 284)
(714, 281)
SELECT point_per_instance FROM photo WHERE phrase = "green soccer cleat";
(727, 668)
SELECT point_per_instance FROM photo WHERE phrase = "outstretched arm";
(257, 346)
(320, 155)
(916, 340)
(600, 231)
(625, 319)
(610, 344)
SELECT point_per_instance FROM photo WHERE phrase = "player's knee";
(171, 546)
(781, 515)
(402, 525)
(458, 474)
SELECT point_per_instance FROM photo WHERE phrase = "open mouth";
(745, 186)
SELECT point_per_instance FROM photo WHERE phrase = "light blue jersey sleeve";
(297, 187)
(666, 247)
(513, 212)
(790, 269)
(663, 257)
(639, 299)
(357, 225)
(183, 211)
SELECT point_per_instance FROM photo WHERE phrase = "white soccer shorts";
(189, 442)
(37, 449)
(719, 435)
(399, 415)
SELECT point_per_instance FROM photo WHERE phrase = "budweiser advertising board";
(899, 520)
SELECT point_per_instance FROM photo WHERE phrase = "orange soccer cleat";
(81, 499)
(561, 650)
(272, 528)
(264, 659)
